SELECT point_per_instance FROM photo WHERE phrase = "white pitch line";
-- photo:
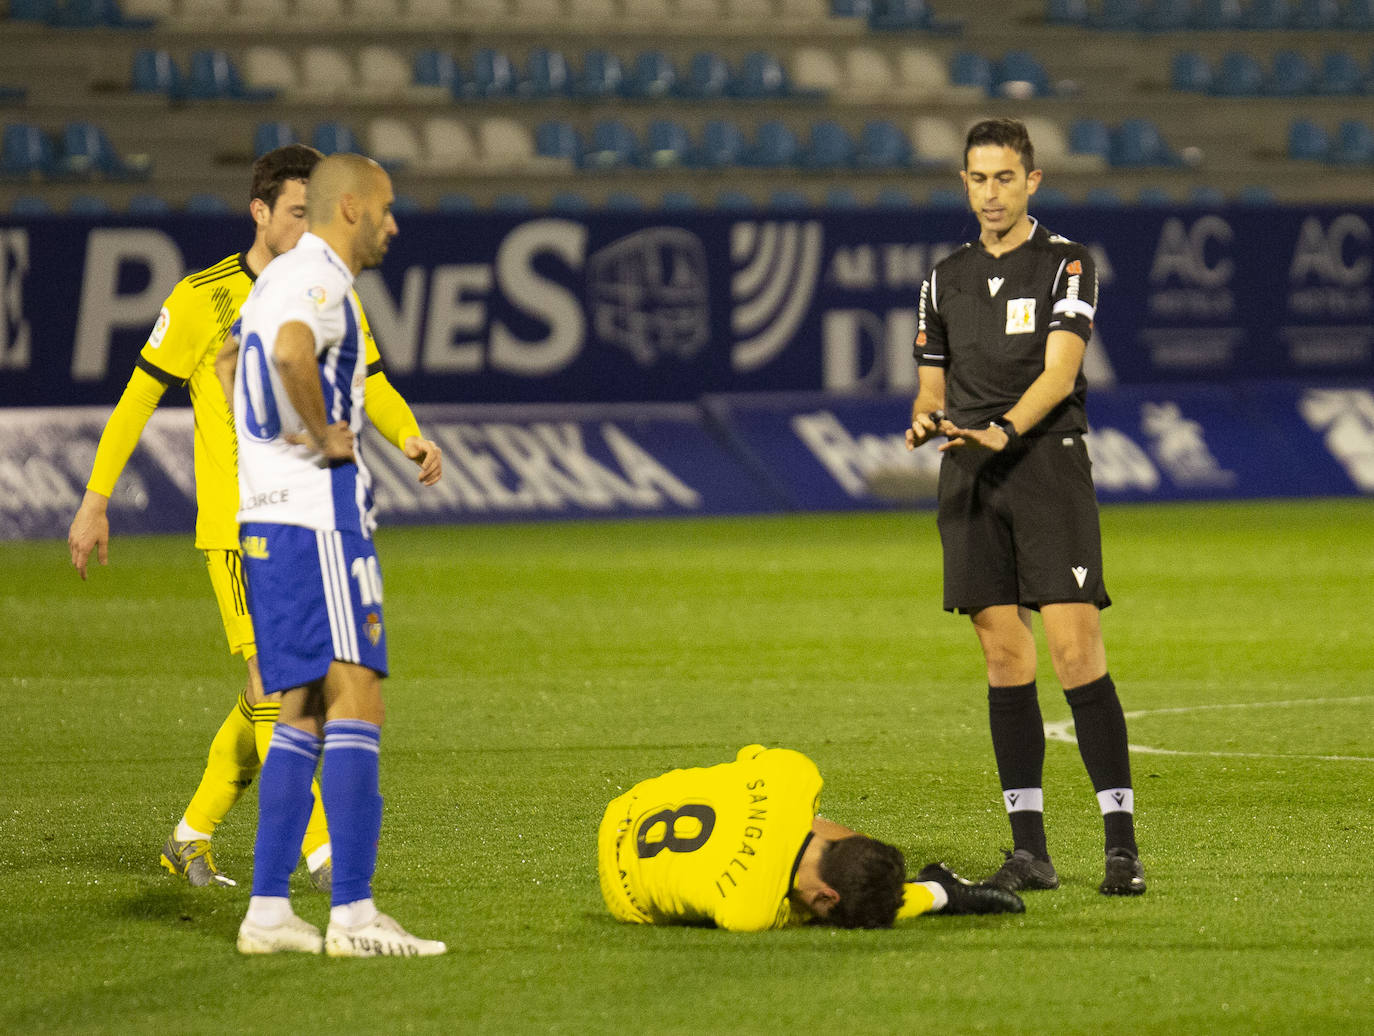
(1060, 731)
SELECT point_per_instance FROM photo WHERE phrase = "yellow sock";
(317, 831)
(916, 900)
(230, 768)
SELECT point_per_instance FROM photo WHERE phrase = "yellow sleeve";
(139, 400)
(388, 410)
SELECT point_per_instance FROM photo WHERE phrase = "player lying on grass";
(739, 845)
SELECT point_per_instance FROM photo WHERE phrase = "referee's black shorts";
(1021, 530)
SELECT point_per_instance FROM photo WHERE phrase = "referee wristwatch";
(1015, 444)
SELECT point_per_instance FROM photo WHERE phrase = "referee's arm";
(929, 406)
(1063, 358)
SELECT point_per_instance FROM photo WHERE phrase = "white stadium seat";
(538, 12)
(814, 68)
(448, 145)
(428, 13)
(921, 74)
(263, 15)
(805, 12)
(758, 13)
(1052, 148)
(867, 75)
(326, 73)
(937, 140)
(646, 12)
(200, 14)
(484, 12)
(593, 12)
(393, 142)
(505, 145)
(382, 73)
(270, 67)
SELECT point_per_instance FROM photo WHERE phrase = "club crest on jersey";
(373, 626)
(1075, 267)
(1020, 316)
(164, 319)
(994, 285)
(317, 295)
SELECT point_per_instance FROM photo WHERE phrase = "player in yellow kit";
(739, 846)
(181, 350)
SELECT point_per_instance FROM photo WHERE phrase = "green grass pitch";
(539, 669)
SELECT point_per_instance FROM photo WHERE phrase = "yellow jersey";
(712, 845)
(181, 349)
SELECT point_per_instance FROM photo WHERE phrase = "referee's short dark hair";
(870, 877)
(292, 162)
(1004, 133)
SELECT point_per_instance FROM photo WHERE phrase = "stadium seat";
(1307, 142)
(88, 205)
(546, 75)
(677, 201)
(802, 13)
(383, 73)
(592, 12)
(32, 10)
(214, 76)
(899, 15)
(1103, 197)
(1317, 14)
(1206, 195)
(27, 206)
(1066, 12)
(455, 203)
(484, 12)
(95, 14)
(537, 12)
(569, 202)
(760, 76)
(868, 76)
(155, 72)
(972, 70)
(326, 74)
(1119, 15)
(557, 141)
(270, 68)
(257, 14)
(318, 12)
(1020, 75)
(332, 137)
(1167, 16)
(851, 8)
(882, 146)
(1265, 14)
(1217, 14)
(434, 75)
(1238, 75)
(406, 205)
(206, 205)
(921, 75)
(147, 205)
(449, 145)
(722, 145)
(735, 201)
(601, 76)
(775, 146)
(936, 142)
(1256, 194)
(1190, 72)
(394, 144)
(666, 144)
(1358, 15)
(786, 199)
(946, 198)
(203, 14)
(894, 198)
(1340, 75)
(623, 201)
(829, 147)
(87, 152)
(815, 71)
(1050, 198)
(428, 13)
(841, 198)
(1354, 143)
(492, 74)
(750, 12)
(386, 14)
(1154, 197)
(511, 202)
(268, 136)
(654, 76)
(1052, 151)
(505, 145)
(707, 78)
(1090, 137)
(612, 146)
(1137, 142)
(1290, 75)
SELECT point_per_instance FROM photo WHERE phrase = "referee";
(1001, 331)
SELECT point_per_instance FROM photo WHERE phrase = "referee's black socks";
(1100, 725)
(1018, 743)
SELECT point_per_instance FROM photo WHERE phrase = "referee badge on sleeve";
(1020, 316)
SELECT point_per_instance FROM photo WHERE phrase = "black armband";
(1015, 444)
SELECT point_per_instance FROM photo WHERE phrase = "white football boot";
(380, 937)
(294, 935)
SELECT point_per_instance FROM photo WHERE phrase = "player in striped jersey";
(181, 350)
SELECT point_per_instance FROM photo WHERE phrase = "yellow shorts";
(231, 593)
(614, 826)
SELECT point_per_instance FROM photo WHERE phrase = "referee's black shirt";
(985, 320)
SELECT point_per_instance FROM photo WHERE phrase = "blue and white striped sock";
(284, 803)
(353, 804)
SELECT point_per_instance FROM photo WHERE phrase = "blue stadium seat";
(26, 153)
(148, 205)
(666, 144)
(1167, 16)
(1066, 12)
(841, 198)
(1354, 144)
(456, 203)
(546, 75)
(1266, 14)
(623, 201)
(894, 198)
(206, 205)
(88, 205)
(268, 136)
(154, 72)
(946, 198)
(1090, 137)
(1340, 75)
(882, 145)
(10, 94)
(760, 75)
(1256, 194)
(1190, 72)
(1020, 74)
(722, 145)
(1154, 197)
(1206, 194)
(26, 205)
(601, 76)
(213, 76)
(775, 146)
(1137, 142)
(87, 151)
(1317, 14)
(492, 74)
(851, 8)
(1290, 75)
(569, 202)
(332, 137)
(1217, 14)
(1103, 197)
(1120, 15)
(734, 200)
(511, 201)
(969, 69)
(612, 146)
(654, 75)
(1307, 142)
(406, 205)
(830, 147)
(436, 69)
(33, 10)
(677, 201)
(1051, 198)
(95, 14)
(708, 77)
(1238, 75)
(556, 138)
(899, 15)
(1358, 15)
(786, 199)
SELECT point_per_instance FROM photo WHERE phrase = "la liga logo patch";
(317, 295)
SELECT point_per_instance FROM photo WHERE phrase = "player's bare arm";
(294, 355)
(928, 409)
(90, 531)
(226, 362)
(1063, 357)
